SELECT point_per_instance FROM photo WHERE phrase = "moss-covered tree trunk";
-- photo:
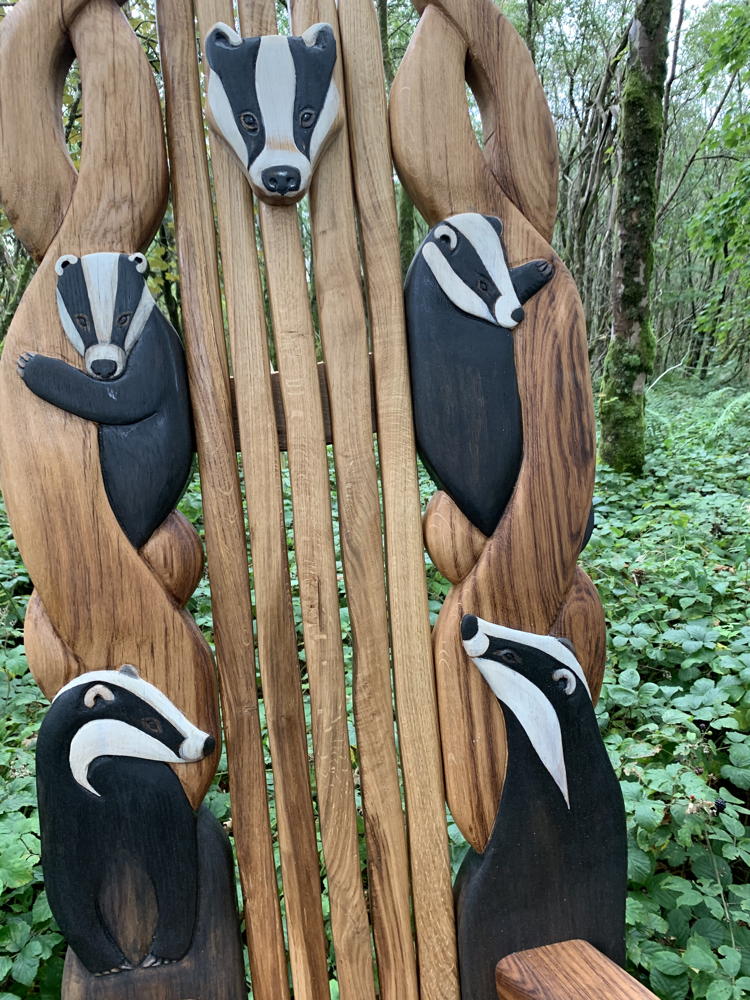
(630, 356)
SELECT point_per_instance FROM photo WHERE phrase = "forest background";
(671, 551)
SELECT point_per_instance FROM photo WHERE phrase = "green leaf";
(668, 962)
(698, 955)
(719, 990)
(669, 987)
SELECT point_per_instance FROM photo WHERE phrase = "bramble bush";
(671, 559)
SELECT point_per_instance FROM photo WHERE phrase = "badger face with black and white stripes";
(273, 99)
(466, 256)
(104, 305)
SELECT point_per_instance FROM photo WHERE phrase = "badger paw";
(545, 268)
(152, 961)
(20, 368)
(124, 967)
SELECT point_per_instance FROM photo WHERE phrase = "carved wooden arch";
(525, 575)
(98, 602)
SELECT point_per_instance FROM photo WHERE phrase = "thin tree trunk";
(630, 356)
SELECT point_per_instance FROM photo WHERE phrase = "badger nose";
(104, 367)
(209, 746)
(281, 180)
(517, 314)
(469, 627)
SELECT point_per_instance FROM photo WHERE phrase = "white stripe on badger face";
(113, 738)
(105, 352)
(71, 331)
(527, 702)
(276, 85)
(223, 116)
(325, 122)
(534, 712)
(139, 319)
(100, 271)
(195, 739)
(483, 237)
(459, 293)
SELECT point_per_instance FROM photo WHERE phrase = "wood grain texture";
(344, 338)
(260, 414)
(570, 970)
(225, 529)
(175, 554)
(525, 571)
(581, 619)
(412, 663)
(451, 539)
(105, 606)
(212, 968)
(316, 567)
(520, 144)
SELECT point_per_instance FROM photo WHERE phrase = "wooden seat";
(246, 290)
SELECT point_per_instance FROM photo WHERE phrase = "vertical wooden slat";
(225, 533)
(344, 338)
(277, 638)
(415, 683)
(316, 566)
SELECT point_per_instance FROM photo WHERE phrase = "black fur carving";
(107, 800)
(462, 301)
(135, 385)
(554, 869)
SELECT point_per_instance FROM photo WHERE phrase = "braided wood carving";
(523, 575)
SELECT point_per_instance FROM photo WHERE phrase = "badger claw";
(152, 961)
(23, 361)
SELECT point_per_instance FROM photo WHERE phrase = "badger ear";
(319, 35)
(141, 264)
(566, 642)
(446, 234)
(221, 36)
(62, 262)
(495, 223)
(97, 691)
(129, 670)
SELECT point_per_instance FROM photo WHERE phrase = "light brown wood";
(451, 539)
(260, 414)
(570, 970)
(520, 144)
(581, 619)
(412, 662)
(525, 571)
(225, 530)
(175, 554)
(98, 602)
(343, 329)
(316, 570)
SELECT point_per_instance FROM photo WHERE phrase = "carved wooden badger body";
(462, 300)
(106, 799)
(555, 866)
(274, 101)
(136, 388)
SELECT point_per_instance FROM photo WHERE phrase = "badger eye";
(82, 321)
(510, 657)
(483, 285)
(565, 679)
(249, 122)
(124, 319)
(306, 118)
(152, 725)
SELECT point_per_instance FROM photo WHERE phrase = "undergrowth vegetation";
(671, 558)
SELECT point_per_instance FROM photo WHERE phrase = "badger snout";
(506, 316)
(281, 180)
(104, 368)
(197, 746)
(105, 361)
(475, 641)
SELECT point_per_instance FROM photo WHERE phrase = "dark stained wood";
(570, 970)
(212, 968)
(555, 866)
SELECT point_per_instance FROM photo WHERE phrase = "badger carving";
(274, 101)
(135, 385)
(462, 302)
(555, 866)
(108, 798)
